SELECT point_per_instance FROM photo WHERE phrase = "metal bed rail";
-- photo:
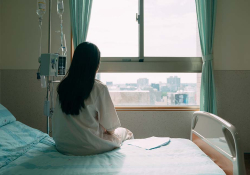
(232, 138)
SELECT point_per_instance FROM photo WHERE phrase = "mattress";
(24, 150)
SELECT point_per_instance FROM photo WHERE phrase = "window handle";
(138, 18)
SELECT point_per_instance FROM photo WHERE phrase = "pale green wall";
(232, 35)
(21, 33)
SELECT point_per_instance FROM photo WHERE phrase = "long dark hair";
(80, 79)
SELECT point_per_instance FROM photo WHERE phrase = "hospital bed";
(24, 150)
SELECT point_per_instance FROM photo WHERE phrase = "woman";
(85, 121)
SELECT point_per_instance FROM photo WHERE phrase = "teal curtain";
(80, 11)
(206, 13)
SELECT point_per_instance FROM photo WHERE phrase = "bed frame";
(231, 164)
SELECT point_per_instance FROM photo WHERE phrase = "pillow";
(5, 116)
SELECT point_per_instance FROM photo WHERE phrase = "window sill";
(157, 108)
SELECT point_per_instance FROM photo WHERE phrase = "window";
(165, 28)
(152, 61)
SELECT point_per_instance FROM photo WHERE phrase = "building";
(182, 98)
(165, 89)
(130, 97)
(174, 83)
(131, 84)
(155, 86)
(142, 82)
(109, 83)
(174, 80)
(155, 96)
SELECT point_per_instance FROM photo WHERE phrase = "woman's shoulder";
(98, 89)
(99, 86)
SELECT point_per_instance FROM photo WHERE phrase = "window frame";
(149, 65)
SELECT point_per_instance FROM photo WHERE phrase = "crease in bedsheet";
(16, 139)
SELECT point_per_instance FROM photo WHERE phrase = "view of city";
(172, 92)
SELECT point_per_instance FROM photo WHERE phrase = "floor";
(247, 163)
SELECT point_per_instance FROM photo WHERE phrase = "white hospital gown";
(85, 134)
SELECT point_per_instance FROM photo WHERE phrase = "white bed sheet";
(180, 156)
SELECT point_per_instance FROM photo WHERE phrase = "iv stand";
(50, 82)
(47, 77)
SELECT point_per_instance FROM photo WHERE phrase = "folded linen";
(149, 143)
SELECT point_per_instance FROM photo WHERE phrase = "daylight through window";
(169, 30)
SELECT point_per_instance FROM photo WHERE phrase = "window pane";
(113, 27)
(170, 28)
(154, 89)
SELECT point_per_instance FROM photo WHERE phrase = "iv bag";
(43, 82)
(60, 7)
(41, 8)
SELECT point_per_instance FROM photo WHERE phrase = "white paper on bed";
(150, 143)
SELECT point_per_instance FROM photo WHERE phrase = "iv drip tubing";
(62, 47)
(49, 51)
(40, 49)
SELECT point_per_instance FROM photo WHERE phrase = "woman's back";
(84, 134)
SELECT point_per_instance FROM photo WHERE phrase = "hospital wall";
(21, 93)
(232, 65)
